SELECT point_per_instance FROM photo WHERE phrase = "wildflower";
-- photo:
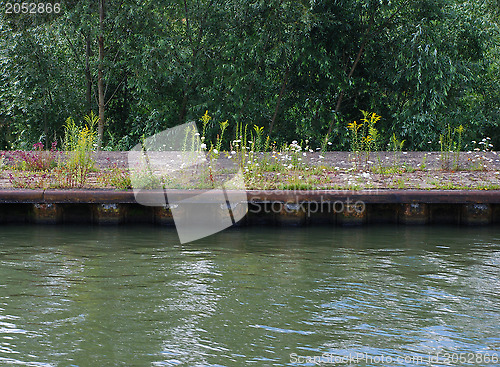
(197, 134)
(206, 117)
(321, 157)
(216, 151)
(203, 146)
(353, 126)
(329, 143)
(294, 142)
(38, 146)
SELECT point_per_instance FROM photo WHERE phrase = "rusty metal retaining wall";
(289, 208)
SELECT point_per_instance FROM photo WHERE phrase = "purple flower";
(38, 146)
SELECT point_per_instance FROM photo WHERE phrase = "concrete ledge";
(260, 196)
(287, 208)
(21, 196)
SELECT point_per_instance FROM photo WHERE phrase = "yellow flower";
(224, 124)
(205, 118)
(375, 117)
(354, 126)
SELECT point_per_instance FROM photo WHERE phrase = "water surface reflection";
(88, 296)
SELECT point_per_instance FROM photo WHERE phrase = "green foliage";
(451, 145)
(364, 136)
(79, 143)
(284, 63)
(116, 177)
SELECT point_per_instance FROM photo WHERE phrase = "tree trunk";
(88, 75)
(366, 37)
(100, 82)
(283, 86)
(183, 109)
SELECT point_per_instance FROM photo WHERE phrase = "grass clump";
(364, 137)
(79, 143)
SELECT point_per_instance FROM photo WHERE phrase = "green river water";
(375, 296)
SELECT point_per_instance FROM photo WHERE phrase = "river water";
(374, 296)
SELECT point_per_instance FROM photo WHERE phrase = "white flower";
(216, 151)
(304, 154)
(197, 134)
(329, 143)
(321, 157)
(294, 142)
(203, 146)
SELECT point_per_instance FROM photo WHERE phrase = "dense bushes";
(299, 69)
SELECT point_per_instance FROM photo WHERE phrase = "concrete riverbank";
(280, 207)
